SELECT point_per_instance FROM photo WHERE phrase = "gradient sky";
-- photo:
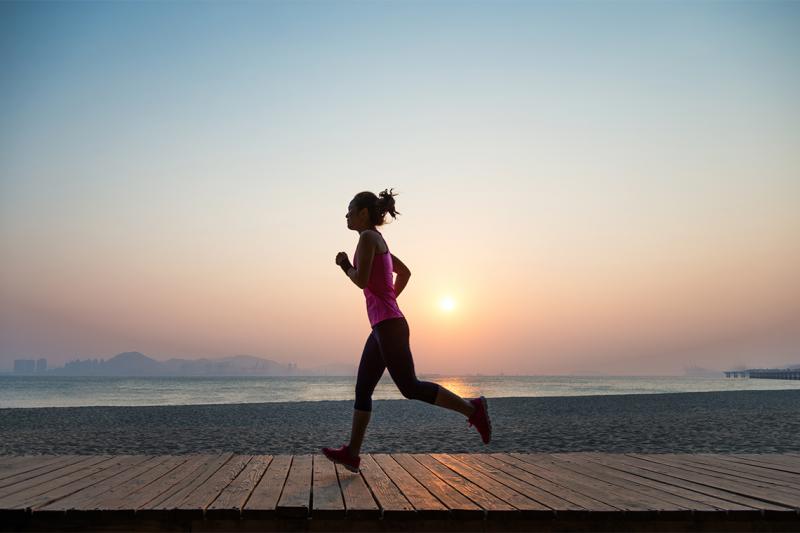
(599, 186)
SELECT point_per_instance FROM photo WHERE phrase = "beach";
(699, 422)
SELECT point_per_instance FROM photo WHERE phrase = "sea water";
(73, 391)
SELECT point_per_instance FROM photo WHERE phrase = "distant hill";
(124, 364)
(136, 364)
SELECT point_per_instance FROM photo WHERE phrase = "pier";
(765, 373)
(420, 492)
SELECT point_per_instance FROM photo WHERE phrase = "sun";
(447, 304)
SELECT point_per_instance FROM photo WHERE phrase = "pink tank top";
(379, 292)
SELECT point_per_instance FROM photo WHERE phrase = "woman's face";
(355, 218)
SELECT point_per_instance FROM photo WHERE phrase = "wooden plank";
(170, 500)
(425, 503)
(159, 488)
(391, 500)
(125, 470)
(29, 470)
(326, 496)
(787, 457)
(526, 507)
(730, 502)
(88, 498)
(408, 483)
(545, 466)
(519, 470)
(675, 476)
(295, 500)
(769, 462)
(768, 467)
(695, 500)
(547, 499)
(120, 498)
(578, 463)
(42, 483)
(791, 457)
(195, 503)
(13, 465)
(7, 461)
(458, 505)
(747, 471)
(64, 486)
(723, 470)
(733, 484)
(619, 496)
(264, 499)
(490, 503)
(358, 501)
(231, 500)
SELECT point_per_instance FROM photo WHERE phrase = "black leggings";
(387, 347)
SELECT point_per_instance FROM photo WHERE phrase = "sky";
(604, 187)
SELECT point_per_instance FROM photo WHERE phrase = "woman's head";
(367, 210)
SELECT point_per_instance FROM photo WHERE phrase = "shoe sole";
(348, 467)
(488, 420)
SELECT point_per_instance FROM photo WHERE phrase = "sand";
(711, 422)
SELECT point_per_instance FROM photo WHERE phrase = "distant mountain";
(133, 364)
(124, 364)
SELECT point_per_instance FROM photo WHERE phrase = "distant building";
(24, 366)
(41, 365)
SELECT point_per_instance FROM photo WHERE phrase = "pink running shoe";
(343, 457)
(480, 419)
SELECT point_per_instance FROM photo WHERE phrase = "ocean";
(62, 391)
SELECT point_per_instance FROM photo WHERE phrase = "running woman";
(387, 345)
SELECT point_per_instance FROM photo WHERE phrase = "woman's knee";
(363, 403)
(408, 391)
(419, 390)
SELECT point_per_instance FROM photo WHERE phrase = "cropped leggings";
(387, 347)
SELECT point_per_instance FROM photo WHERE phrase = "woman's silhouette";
(387, 345)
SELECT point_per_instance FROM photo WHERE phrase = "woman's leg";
(393, 338)
(370, 370)
(454, 402)
(360, 421)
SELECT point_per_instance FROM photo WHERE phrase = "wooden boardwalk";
(425, 492)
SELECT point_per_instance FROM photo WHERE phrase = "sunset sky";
(595, 186)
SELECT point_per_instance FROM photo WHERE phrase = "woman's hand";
(344, 263)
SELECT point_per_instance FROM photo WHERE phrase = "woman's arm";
(365, 253)
(403, 274)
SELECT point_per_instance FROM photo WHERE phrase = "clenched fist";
(343, 261)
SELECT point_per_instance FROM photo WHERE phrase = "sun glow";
(447, 304)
